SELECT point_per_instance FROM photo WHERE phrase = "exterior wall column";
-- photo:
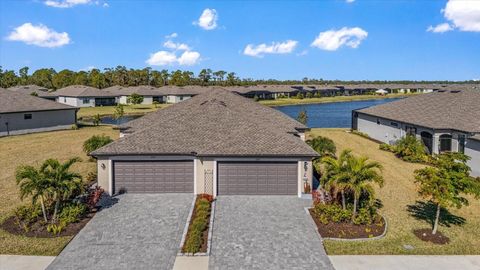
(305, 170)
(436, 143)
(455, 142)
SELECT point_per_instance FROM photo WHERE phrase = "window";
(65, 99)
(85, 100)
(378, 121)
(27, 116)
(394, 124)
(181, 98)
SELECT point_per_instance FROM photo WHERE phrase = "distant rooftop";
(11, 101)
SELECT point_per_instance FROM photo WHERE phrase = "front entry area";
(257, 178)
(153, 177)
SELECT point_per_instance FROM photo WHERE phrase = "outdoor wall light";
(103, 166)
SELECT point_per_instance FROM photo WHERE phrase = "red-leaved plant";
(206, 196)
(94, 197)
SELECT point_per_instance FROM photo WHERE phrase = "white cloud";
(176, 46)
(331, 40)
(441, 28)
(66, 3)
(39, 35)
(188, 58)
(302, 53)
(172, 35)
(349, 1)
(208, 19)
(163, 58)
(275, 48)
(105, 5)
(463, 15)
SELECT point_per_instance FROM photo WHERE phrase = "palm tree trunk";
(57, 203)
(437, 217)
(344, 206)
(43, 209)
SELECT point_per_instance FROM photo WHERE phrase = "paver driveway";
(265, 232)
(140, 231)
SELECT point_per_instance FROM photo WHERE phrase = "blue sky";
(384, 40)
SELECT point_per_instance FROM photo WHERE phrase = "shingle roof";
(459, 110)
(83, 91)
(11, 101)
(29, 89)
(144, 90)
(215, 123)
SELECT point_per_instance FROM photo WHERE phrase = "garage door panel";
(153, 177)
(257, 178)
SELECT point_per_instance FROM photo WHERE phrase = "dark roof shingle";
(11, 101)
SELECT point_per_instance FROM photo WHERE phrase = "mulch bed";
(204, 247)
(347, 230)
(427, 236)
(38, 229)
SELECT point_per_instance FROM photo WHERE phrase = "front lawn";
(32, 149)
(110, 110)
(400, 204)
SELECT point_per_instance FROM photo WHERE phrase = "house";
(22, 113)
(34, 90)
(443, 120)
(150, 94)
(381, 92)
(176, 94)
(216, 142)
(85, 96)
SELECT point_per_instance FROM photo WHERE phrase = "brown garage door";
(257, 178)
(153, 177)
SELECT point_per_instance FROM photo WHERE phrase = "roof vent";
(441, 91)
(455, 91)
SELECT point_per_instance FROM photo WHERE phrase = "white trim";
(214, 178)
(259, 159)
(149, 158)
(195, 176)
(110, 177)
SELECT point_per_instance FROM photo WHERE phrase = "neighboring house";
(176, 94)
(381, 92)
(216, 142)
(150, 94)
(443, 120)
(22, 113)
(34, 90)
(85, 96)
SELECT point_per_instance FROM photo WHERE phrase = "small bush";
(331, 213)
(309, 95)
(94, 196)
(410, 149)
(26, 215)
(72, 213)
(95, 142)
(74, 127)
(363, 217)
(199, 224)
(56, 228)
(387, 147)
(207, 197)
(91, 176)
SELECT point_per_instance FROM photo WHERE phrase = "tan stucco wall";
(103, 174)
(305, 175)
(203, 167)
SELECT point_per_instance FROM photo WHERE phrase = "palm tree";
(360, 172)
(62, 183)
(32, 182)
(336, 174)
(323, 146)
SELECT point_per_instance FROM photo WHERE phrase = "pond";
(325, 115)
(331, 115)
(109, 120)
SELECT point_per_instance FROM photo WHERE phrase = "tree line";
(120, 75)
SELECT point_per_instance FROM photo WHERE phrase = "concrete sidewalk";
(19, 262)
(402, 262)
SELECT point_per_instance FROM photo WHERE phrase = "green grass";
(110, 110)
(399, 192)
(294, 101)
(33, 149)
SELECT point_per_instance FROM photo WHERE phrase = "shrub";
(309, 95)
(363, 217)
(96, 120)
(207, 197)
(91, 176)
(95, 142)
(387, 147)
(72, 213)
(134, 99)
(26, 215)
(94, 196)
(299, 96)
(361, 134)
(199, 224)
(74, 127)
(323, 146)
(55, 228)
(409, 148)
(331, 212)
